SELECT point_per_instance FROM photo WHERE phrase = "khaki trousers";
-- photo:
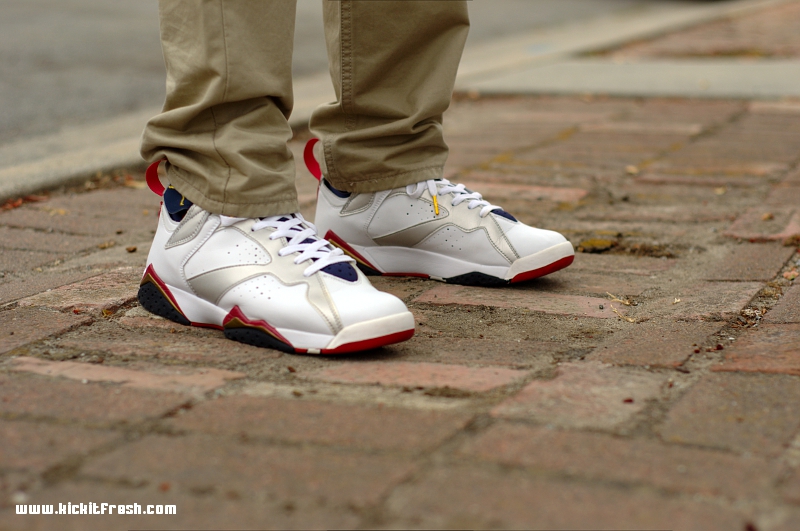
(224, 125)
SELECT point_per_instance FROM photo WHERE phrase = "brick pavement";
(654, 384)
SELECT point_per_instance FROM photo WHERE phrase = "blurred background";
(72, 62)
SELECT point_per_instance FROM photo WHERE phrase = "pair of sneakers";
(274, 282)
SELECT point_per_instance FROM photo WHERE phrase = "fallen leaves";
(107, 245)
(614, 298)
(596, 245)
(11, 204)
(621, 316)
(791, 275)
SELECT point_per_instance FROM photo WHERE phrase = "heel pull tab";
(311, 162)
(153, 179)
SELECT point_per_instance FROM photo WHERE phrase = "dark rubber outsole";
(257, 338)
(474, 278)
(152, 300)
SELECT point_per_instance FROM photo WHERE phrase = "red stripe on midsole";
(237, 319)
(542, 271)
(369, 344)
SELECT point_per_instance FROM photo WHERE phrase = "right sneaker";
(438, 230)
(269, 282)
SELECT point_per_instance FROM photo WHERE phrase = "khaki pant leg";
(224, 124)
(393, 65)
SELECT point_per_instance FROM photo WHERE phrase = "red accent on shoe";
(311, 162)
(151, 176)
(236, 314)
(151, 276)
(369, 344)
(542, 271)
(338, 242)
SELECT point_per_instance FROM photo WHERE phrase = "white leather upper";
(396, 220)
(529, 240)
(233, 265)
(399, 212)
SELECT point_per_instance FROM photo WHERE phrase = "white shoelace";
(459, 191)
(298, 231)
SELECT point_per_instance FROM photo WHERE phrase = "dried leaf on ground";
(623, 317)
(614, 298)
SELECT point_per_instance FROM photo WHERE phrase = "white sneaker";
(436, 229)
(268, 282)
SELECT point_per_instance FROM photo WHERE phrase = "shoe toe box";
(529, 240)
(363, 302)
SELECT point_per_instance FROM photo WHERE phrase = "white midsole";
(200, 311)
(365, 330)
(406, 260)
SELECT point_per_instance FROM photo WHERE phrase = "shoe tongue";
(501, 212)
(296, 228)
(341, 270)
(176, 204)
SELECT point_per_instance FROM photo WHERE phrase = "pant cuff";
(287, 204)
(391, 181)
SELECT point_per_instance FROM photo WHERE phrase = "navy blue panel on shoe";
(337, 193)
(176, 204)
(342, 270)
(505, 214)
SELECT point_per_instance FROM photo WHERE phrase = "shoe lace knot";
(302, 239)
(459, 192)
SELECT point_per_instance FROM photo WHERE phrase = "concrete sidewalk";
(654, 384)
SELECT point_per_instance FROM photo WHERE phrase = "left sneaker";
(436, 229)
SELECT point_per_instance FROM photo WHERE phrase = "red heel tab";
(153, 180)
(311, 162)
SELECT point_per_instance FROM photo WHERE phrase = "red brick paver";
(104, 292)
(94, 403)
(178, 380)
(482, 498)
(23, 326)
(37, 447)
(322, 423)
(741, 412)
(769, 349)
(751, 262)
(788, 308)
(535, 301)
(198, 463)
(477, 379)
(634, 461)
(586, 395)
(654, 345)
